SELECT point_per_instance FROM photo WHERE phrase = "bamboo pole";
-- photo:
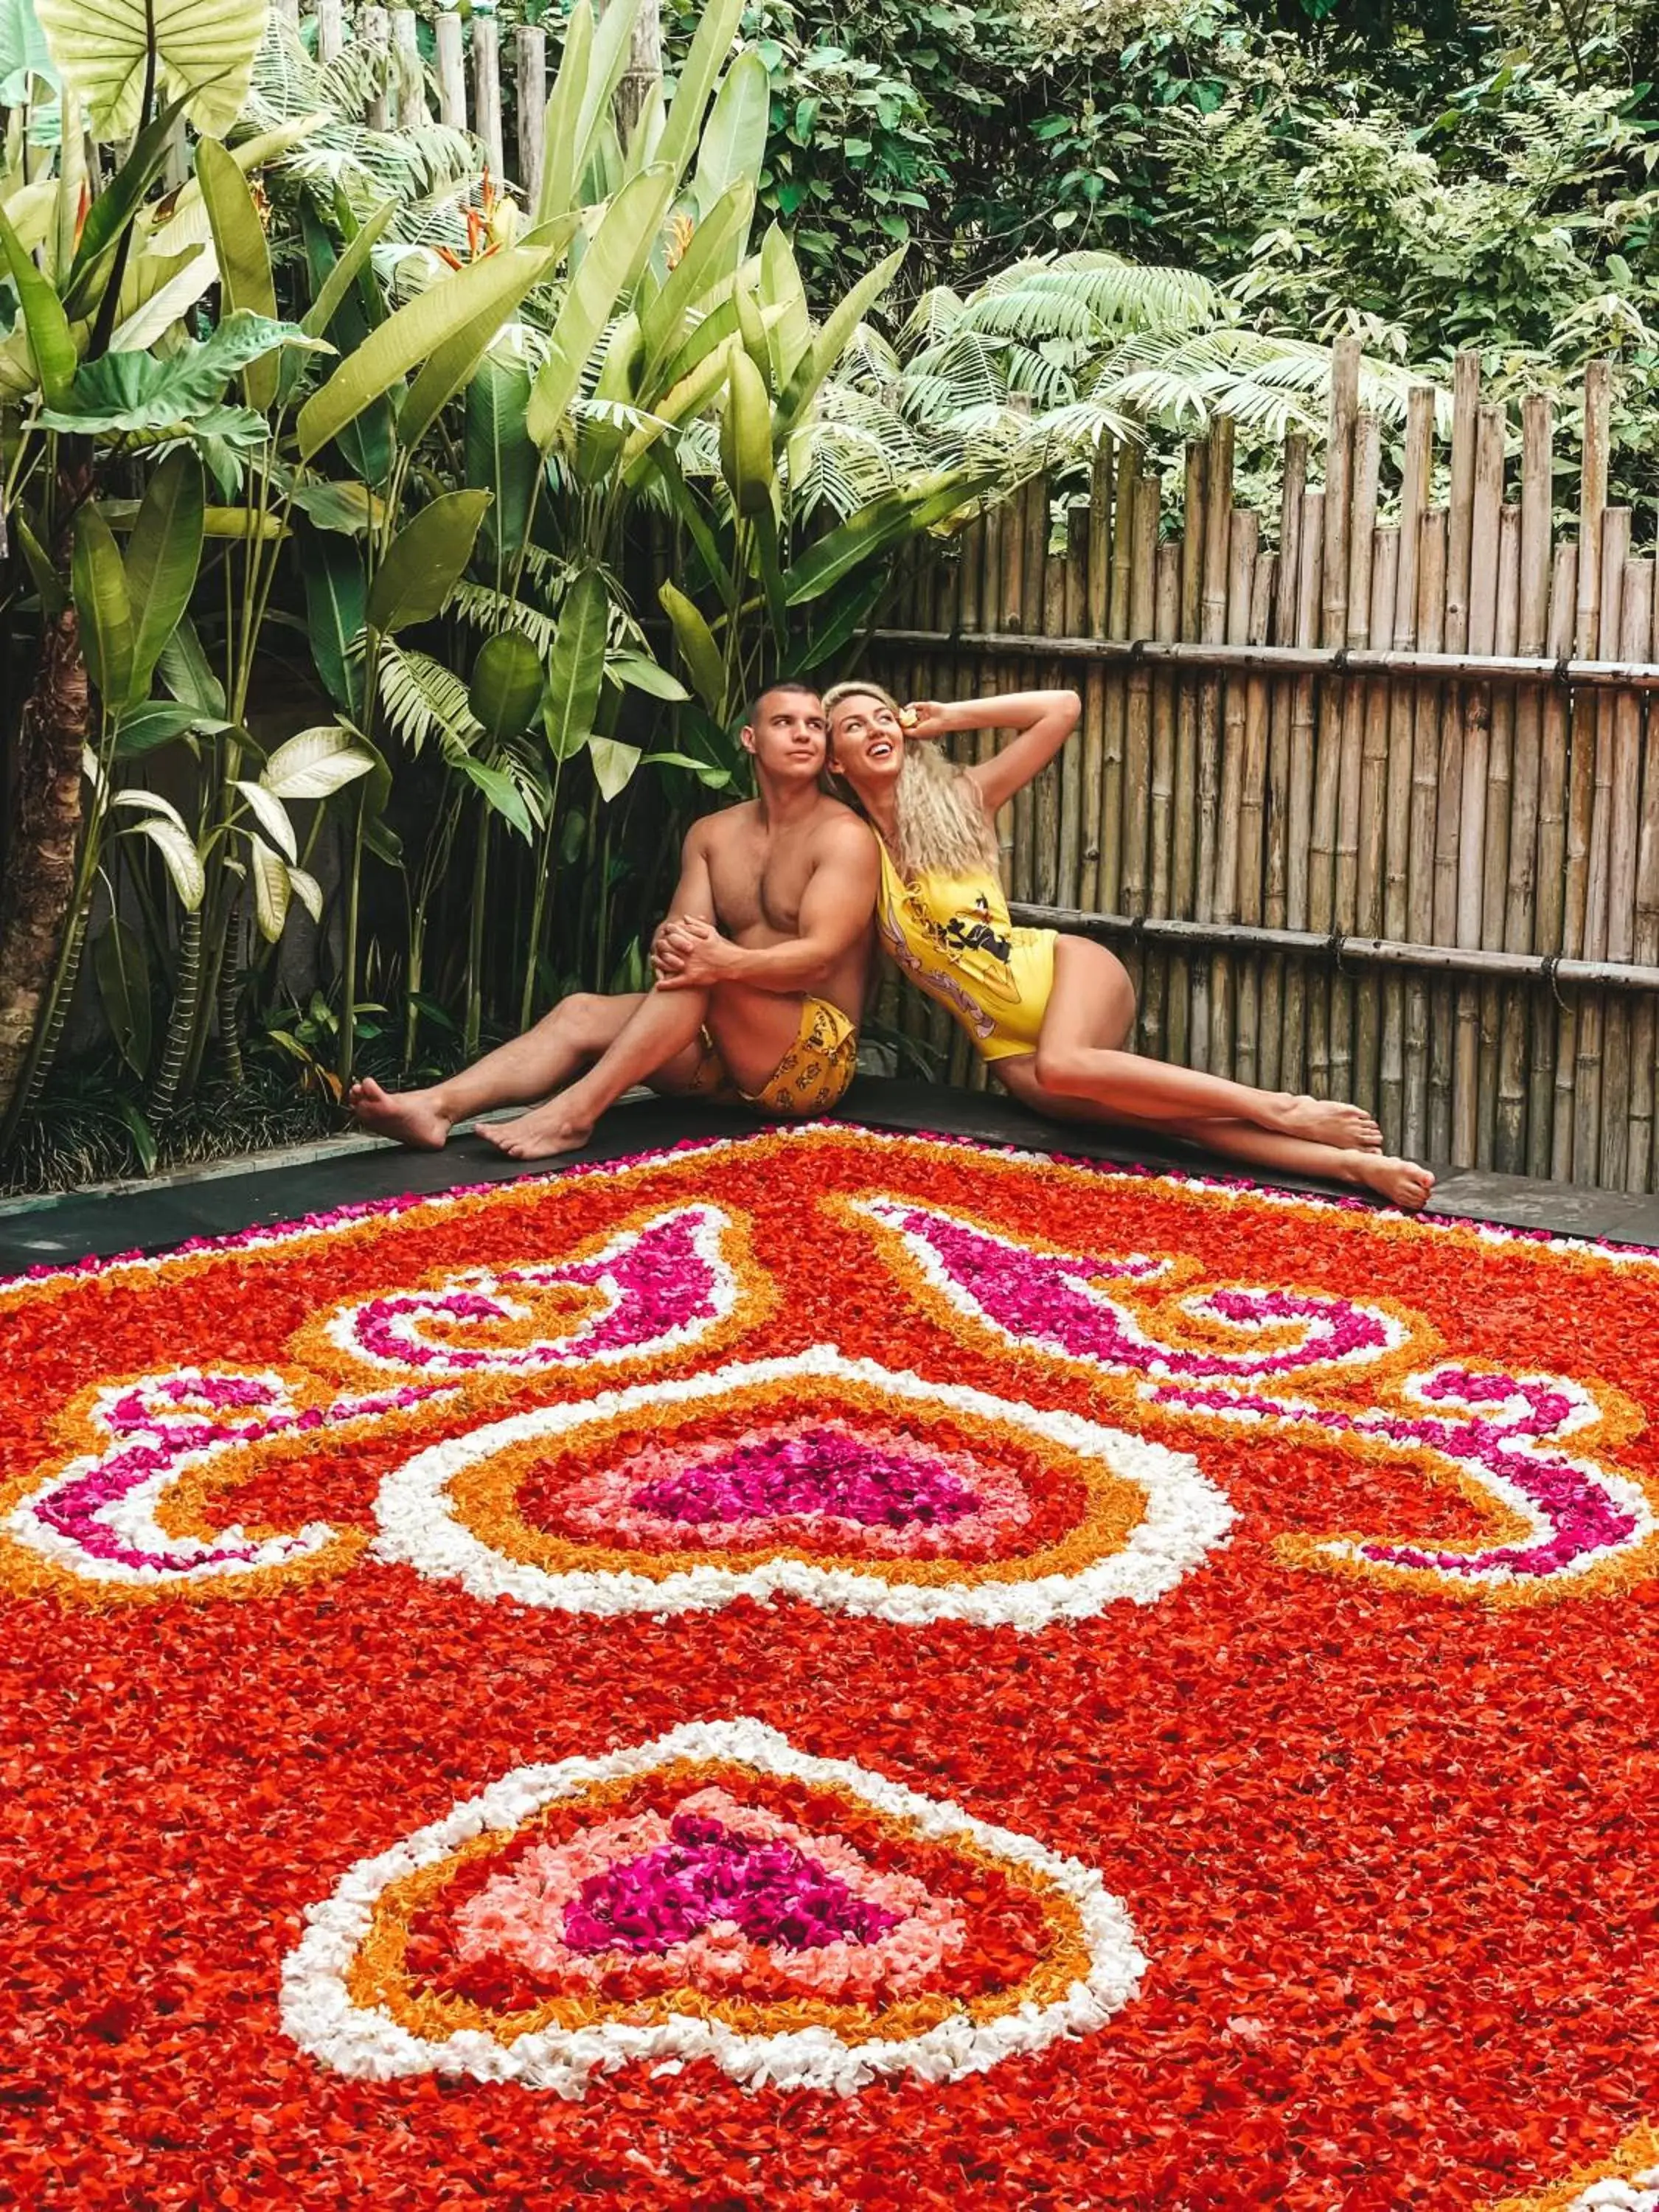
(1644, 1019)
(1184, 887)
(1243, 533)
(1294, 1047)
(451, 72)
(1425, 781)
(1365, 914)
(1545, 1123)
(1145, 500)
(1033, 564)
(1624, 834)
(1500, 799)
(1469, 854)
(1207, 1049)
(1362, 536)
(1590, 1056)
(375, 33)
(1592, 505)
(1072, 614)
(1153, 991)
(1096, 596)
(530, 58)
(411, 75)
(1287, 579)
(1416, 464)
(1252, 824)
(1448, 802)
(1510, 1150)
(972, 568)
(1332, 634)
(1117, 695)
(487, 85)
(331, 31)
(1012, 571)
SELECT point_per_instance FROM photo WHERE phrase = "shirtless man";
(762, 967)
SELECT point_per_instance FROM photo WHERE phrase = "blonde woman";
(1051, 1014)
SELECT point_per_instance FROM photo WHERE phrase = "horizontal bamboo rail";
(1552, 970)
(1287, 659)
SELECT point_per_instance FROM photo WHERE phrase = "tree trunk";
(37, 889)
(644, 69)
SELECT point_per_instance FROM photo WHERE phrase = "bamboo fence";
(1361, 793)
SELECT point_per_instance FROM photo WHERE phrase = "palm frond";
(424, 702)
(1090, 295)
(482, 607)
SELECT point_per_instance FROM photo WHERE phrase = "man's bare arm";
(836, 910)
(694, 894)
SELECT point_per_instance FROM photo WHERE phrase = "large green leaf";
(576, 665)
(318, 762)
(560, 166)
(99, 582)
(424, 563)
(494, 285)
(613, 44)
(506, 685)
(111, 214)
(204, 49)
(333, 286)
(163, 555)
(611, 263)
(123, 978)
(831, 342)
(145, 391)
(186, 672)
(710, 50)
(711, 257)
(734, 138)
(337, 599)
(238, 240)
(698, 650)
(500, 793)
(47, 325)
(882, 523)
(353, 309)
(499, 456)
(23, 53)
(614, 764)
(780, 288)
(455, 359)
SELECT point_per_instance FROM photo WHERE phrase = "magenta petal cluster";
(813, 1470)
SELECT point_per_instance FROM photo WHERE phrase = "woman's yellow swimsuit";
(953, 936)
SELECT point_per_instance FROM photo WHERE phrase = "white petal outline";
(319, 2014)
(1185, 1516)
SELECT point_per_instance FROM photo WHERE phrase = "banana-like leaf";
(576, 666)
(781, 287)
(499, 456)
(336, 603)
(272, 889)
(309, 893)
(271, 814)
(50, 343)
(160, 290)
(613, 44)
(99, 582)
(455, 359)
(424, 562)
(500, 793)
(733, 142)
(345, 272)
(712, 254)
(184, 862)
(614, 764)
(158, 722)
(163, 556)
(506, 685)
(746, 437)
(682, 400)
(697, 648)
(23, 53)
(882, 523)
(204, 49)
(641, 673)
(414, 334)
(560, 132)
(122, 974)
(348, 507)
(831, 342)
(43, 570)
(614, 256)
(238, 240)
(144, 392)
(710, 49)
(186, 672)
(316, 763)
(113, 214)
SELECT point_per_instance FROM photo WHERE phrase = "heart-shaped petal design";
(716, 1893)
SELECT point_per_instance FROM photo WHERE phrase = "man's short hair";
(796, 684)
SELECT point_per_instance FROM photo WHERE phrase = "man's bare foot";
(412, 1116)
(539, 1134)
(1402, 1182)
(1331, 1122)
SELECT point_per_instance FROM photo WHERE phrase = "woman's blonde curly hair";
(942, 826)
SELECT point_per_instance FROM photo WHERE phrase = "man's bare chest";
(759, 882)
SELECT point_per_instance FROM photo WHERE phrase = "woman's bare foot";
(1402, 1182)
(413, 1117)
(539, 1135)
(1330, 1122)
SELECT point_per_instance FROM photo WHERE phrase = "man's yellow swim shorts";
(812, 1077)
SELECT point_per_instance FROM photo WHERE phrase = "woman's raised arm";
(1041, 720)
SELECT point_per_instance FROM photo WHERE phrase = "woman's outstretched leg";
(1079, 1056)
